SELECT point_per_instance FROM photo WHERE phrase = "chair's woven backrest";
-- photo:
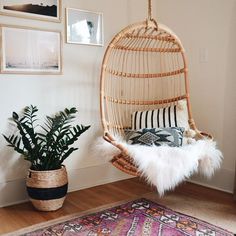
(143, 68)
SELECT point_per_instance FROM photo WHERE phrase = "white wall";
(200, 24)
(78, 86)
(210, 25)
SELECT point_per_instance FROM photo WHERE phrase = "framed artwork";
(84, 27)
(49, 10)
(30, 51)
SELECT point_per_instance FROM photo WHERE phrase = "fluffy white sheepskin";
(165, 167)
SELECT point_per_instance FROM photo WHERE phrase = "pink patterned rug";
(139, 217)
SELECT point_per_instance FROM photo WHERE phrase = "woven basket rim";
(48, 171)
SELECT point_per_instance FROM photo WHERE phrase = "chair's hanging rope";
(149, 9)
(149, 18)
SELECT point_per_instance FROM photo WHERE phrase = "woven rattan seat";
(144, 68)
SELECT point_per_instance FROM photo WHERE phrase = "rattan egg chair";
(144, 67)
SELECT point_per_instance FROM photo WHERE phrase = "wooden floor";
(211, 205)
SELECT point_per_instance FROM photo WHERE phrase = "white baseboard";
(223, 180)
(14, 192)
(94, 176)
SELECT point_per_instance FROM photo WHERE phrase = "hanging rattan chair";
(144, 67)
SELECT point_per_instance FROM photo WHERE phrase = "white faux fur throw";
(165, 167)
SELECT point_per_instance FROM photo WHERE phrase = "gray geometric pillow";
(171, 136)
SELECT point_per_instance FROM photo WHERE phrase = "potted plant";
(45, 146)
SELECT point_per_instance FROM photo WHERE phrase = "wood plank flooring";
(207, 204)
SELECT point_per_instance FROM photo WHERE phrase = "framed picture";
(49, 10)
(30, 51)
(84, 27)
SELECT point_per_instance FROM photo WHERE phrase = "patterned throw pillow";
(171, 116)
(171, 136)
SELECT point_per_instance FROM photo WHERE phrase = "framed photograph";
(30, 51)
(84, 27)
(49, 10)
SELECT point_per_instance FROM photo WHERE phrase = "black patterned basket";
(47, 189)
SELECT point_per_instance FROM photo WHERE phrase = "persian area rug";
(138, 217)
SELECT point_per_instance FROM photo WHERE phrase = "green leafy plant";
(45, 146)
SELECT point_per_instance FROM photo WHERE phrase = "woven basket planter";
(47, 189)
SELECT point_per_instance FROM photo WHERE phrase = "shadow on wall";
(13, 170)
(230, 123)
(230, 97)
(13, 166)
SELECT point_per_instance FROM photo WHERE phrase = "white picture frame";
(27, 50)
(84, 27)
(47, 10)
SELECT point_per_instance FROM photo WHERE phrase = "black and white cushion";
(172, 116)
(171, 136)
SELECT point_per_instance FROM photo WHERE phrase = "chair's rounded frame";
(121, 46)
